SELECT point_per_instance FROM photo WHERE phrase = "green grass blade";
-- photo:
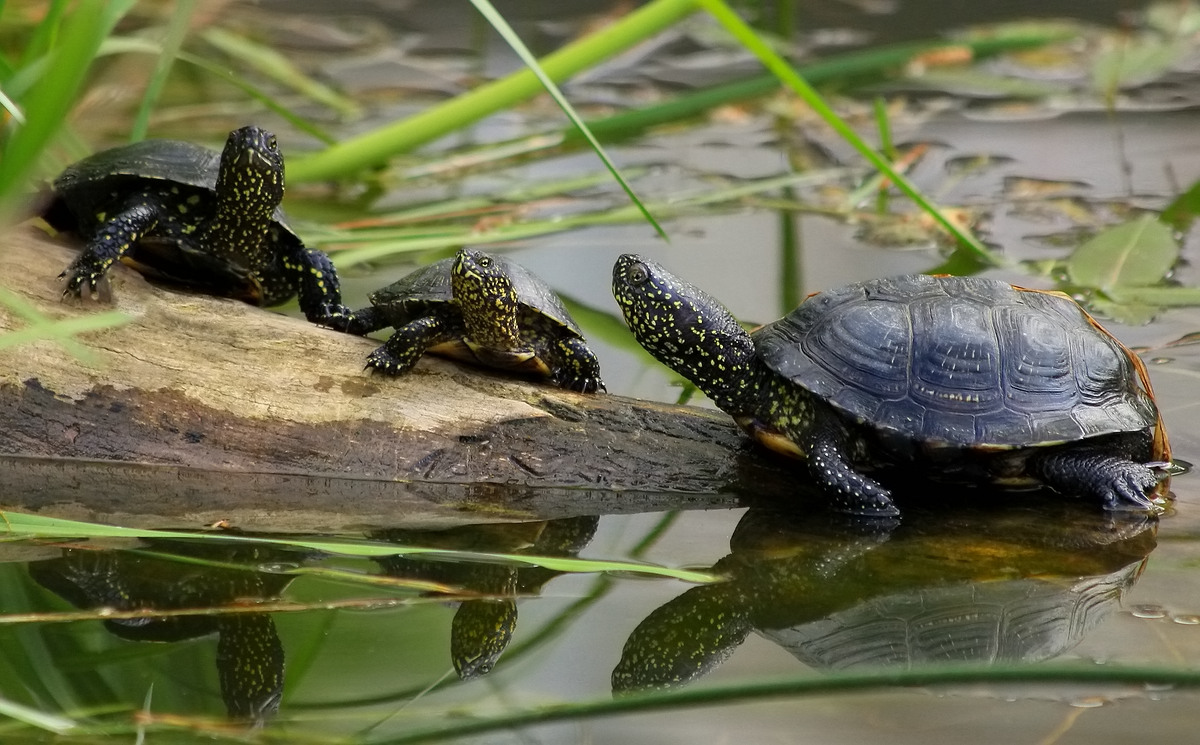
(372, 148)
(130, 45)
(176, 32)
(808, 685)
(19, 525)
(63, 330)
(280, 69)
(35, 718)
(46, 106)
(784, 71)
(514, 41)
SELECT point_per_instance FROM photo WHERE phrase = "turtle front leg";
(320, 292)
(114, 238)
(401, 351)
(576, 366)
(826, 450)
(1119, 483)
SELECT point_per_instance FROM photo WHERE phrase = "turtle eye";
(271, 142)
(485, 261)
(638, 274)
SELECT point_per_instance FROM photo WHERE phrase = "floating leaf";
(1132, 254)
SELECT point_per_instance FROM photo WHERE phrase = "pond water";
(377, 649)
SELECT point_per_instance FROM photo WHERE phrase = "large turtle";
(964, 377)
(195, 217)
(482, 309)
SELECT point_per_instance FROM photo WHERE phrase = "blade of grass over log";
(807, 685)
(20, 525)
(43, 327)
(518, 46)
(373, 148)
(784, 71)
(171, 43)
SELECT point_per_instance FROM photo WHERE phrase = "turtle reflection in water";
(249, 656)
(482, 628)
(1018, 585)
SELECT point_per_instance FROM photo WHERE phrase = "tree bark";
(201, 409)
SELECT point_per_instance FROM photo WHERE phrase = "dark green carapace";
(481, 309)
(194, 217)
(965, 378)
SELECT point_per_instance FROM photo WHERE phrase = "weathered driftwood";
(201, 409)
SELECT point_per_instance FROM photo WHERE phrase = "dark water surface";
(439, 641)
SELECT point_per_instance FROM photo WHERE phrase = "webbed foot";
(1119, 483)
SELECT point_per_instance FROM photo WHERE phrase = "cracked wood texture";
(202, 409)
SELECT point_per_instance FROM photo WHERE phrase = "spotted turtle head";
(686, 329)
(250, 179)
(487, 298)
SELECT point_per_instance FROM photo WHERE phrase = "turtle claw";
(84, 285)
(383, 361)
(339, 318)
(582, 385)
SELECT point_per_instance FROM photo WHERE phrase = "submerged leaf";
(1132, 254)
(1163, 297)
(1133, 62)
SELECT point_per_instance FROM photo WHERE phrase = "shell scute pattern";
(969, 361)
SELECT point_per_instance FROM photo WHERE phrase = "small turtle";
(967, 378)
(192, 216)
(481, 309)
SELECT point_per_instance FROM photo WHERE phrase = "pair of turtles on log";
(211, 221)
(964, 377)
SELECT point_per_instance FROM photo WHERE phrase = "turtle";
(960, 378)
(482, 309)
(194, 217)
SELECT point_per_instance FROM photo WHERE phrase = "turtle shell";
(430, 286)
(960, 361)
(95, 180)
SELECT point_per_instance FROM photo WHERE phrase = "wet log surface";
(201, 409)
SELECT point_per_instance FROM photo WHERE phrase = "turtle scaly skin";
(186, 215)
(966, 376)
(484, 310)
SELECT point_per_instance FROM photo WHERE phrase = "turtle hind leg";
(401, 351)
(574, 366)
(826, 452)
(1120, 483)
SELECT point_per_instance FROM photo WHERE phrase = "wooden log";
(202, 409)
